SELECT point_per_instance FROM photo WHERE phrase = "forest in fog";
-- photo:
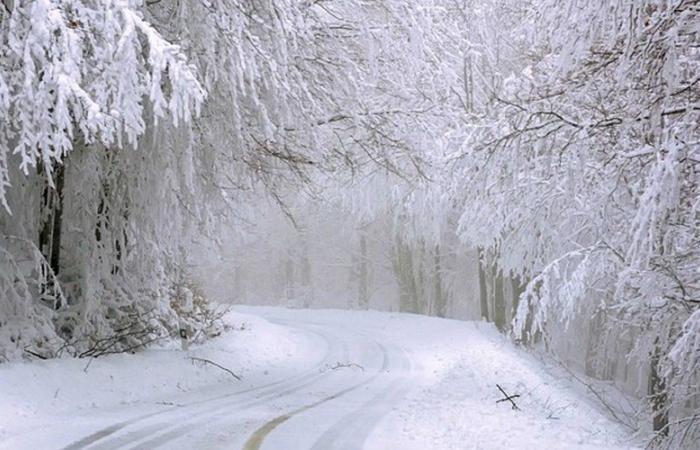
(534, 164)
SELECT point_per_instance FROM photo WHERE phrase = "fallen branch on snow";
(618, 417)
(508, 398)
(340, 365)
(179, 405)
(40, 356)
(206, 361)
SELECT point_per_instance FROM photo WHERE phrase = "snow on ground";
(455, 406)
(449, 403)
(51, 393)
(455, 368)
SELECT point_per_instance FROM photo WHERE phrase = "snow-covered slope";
(310, 379)
(455, 404)
(67, 397)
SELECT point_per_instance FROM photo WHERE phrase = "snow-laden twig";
(597, 395)
(339, 365)
(207, 361)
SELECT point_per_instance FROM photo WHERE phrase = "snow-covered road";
(311, 380)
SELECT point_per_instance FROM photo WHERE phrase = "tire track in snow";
(353, 430)
(269, 390)
(201, 420)
(256, 440)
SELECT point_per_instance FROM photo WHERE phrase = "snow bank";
(459, 365)
(455, 368)
(52, 392)
(451, 403)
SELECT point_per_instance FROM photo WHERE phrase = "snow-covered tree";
(582, 179)
(81, 82)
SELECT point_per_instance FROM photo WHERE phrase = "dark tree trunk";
(289, 278)
(405, 275)
(422, 301)
(440, 303)
(518, 288)
(499, 301)
(238, 283)
(306, 277)
(50, 229)
(657, 394)
(483, 293)
(363, 290)
(102, 229)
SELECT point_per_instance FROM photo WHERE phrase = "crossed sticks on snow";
(508, 398)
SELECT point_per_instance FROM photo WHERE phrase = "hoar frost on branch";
(295, 89)
(80, 81)
(84, 67)
(583, 179)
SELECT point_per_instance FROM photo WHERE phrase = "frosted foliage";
(84, 70)
(290, 100)
(80, 81)
(583, 179)
(23, 321)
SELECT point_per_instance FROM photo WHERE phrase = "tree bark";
(363, 290)
(289, 278)
(518, 288)
(405, 275)
(440, 304)
(657, 393)
(499, 301)
(305, 275)
(50, 229)
(483, 293)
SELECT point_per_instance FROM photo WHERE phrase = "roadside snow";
(42, 394)
(455, 406)
(452, 371)
(455, 368)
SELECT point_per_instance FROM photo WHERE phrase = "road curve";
(333, 404)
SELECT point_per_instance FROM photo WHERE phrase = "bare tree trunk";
(238, 283)
(289, 278)
(363, 290)
(483, 292)
(518, 288)
(305, 275)
(50, 230)
(468, 83)
(422, 299)
(105, 216)
(405, 275)
(657, 393)
(440, 304)
(499, 301)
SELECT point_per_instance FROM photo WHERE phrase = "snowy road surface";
(310, 380)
